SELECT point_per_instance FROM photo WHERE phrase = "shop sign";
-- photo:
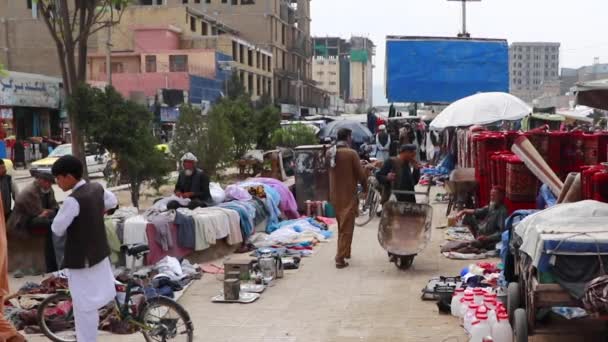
(30, 90)
(169, 114)
(6, 113)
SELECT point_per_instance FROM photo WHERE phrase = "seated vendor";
(35, 208)
(486, 223)
(193, 184)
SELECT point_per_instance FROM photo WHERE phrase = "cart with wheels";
(566, 244)
(528, 299)
(461, 189)
(405, 228)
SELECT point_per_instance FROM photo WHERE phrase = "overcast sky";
(578, 25)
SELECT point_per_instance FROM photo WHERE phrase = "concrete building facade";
(157, 34)
(345, 68)
(283, 28)
(532, 64)
(25, 42)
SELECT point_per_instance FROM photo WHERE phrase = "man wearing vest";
(81, 220)
(400, 173)
(8, 189)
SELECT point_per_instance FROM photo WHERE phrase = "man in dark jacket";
(35, 208)
(193, 184)
(371, 121)
(487, 223)
(400, 173)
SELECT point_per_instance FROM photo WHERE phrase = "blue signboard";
(443, 70)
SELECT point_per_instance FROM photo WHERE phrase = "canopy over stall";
(481, 109)
(592, 94)
(579, 113)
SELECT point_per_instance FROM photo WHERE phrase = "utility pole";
(109, 55)
(464, 33)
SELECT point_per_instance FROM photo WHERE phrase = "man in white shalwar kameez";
(90, 276)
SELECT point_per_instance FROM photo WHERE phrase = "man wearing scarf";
(344, 175)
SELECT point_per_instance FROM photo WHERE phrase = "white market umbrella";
(481, 109)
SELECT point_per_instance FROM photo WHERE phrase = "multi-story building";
(345, 69)
(159, 47)
(283, 28)
(531, 66)
(25, 42)
(569, 76)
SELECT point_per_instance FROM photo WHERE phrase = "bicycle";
(153, 317)
(368, 206)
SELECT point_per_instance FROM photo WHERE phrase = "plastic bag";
(217, 193)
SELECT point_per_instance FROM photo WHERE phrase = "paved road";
(369, 301)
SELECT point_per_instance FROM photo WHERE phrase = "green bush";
(294, 135)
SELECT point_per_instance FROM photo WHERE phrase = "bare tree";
(71, 24)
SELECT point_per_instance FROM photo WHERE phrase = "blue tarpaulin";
(421, 69)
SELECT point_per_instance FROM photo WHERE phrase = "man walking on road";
(344, 175)
(400, 173)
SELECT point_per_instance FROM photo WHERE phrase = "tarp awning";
(592, 94)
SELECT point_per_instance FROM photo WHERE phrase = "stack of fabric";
(521, 186)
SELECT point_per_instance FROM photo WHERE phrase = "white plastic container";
(491, 305)
(480, 328)
(456, 297)
(501, 331)
(479, 295)
(469, 316)
(464, 304)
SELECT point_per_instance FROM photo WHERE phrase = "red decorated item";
(522, 185)
(587, 180)
(591, 148)
(600, 185)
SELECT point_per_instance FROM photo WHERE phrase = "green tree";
(71, 23)
(293, 136)
(267, 121)
(124, 128)
(208, 137)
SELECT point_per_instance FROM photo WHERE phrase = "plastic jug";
(501, 331)
(479, 295)
(480, 328)
(464, 304)
(455, 306)
(469, 316)
(491, 305)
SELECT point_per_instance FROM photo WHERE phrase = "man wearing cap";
(35, 208)
(400, 173)
(383, 144)
(192, 183)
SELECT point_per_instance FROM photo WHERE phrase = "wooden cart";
(527, 296)
(462, 190)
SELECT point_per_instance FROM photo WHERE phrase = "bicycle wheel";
(165, 320)
(56, 318)
(365, 213)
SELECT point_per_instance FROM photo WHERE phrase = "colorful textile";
(247, 214)
(288, 204)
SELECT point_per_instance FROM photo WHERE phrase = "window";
(207, 1)
(117, 68)
(320, 73)
(320, 62)
(224, 1)
(178, 63)
(184, 1)
(250, 57)
(269, 63)
(332, 62)
(197, 1)
(204, 28)
(241, 54)
(333, 73)
(150, 63)
(193, 24)
(332, 83)
(250, 83)
(257, 59)
(29, 4)
(247, 2)
(259, 85)
(235, 2)
(235, 51)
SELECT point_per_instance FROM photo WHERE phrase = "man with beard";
(486, 223)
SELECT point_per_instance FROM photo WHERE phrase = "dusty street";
(369, 301)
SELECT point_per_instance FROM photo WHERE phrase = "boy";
(80, 218)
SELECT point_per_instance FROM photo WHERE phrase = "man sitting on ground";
(486, 223)
(193, 184)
